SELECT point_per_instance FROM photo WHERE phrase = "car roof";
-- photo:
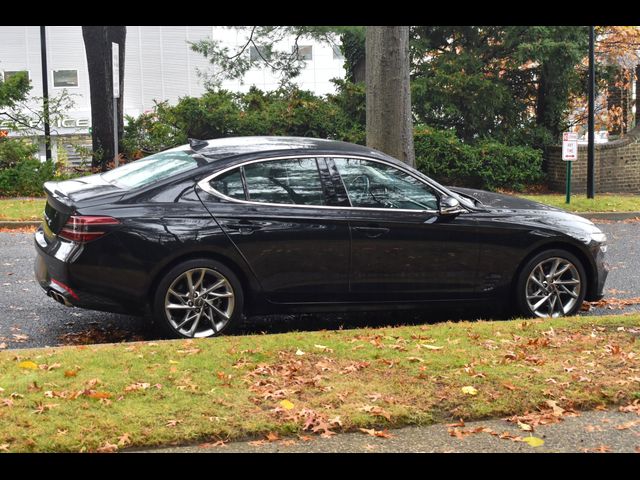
(220, 148)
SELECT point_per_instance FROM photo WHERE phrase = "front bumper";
(595, 291)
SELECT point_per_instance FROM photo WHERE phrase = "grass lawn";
(108, 397)
(608, 202)
(13, 209)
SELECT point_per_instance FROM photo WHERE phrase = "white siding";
(159, 64)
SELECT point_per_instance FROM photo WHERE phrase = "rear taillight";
(84, 228)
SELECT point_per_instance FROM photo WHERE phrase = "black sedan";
(202, 233)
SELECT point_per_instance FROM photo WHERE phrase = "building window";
(65, 78)
(258, 53)
(337, 54)
(7, 74)
(305, 52)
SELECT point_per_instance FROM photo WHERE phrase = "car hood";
(508, 208)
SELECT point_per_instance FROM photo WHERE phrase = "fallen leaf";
(107, 448)
(28, 364)
(3, 345)
(299, 352)
(286, 404)
(628, 425)
(599, 449)
(430, 347)
(272, 437)
(219, 443)
(376, 433)
(124, 440)
(98, 395)
(173, 423)
(4, 447)
(70, 373)
(415, 359)
(469, 390)
(324, 348)
(533, 441)
(375, 410)
(557, 411)
(525, 426)
(460, 423)
(336, 421)
(257, 443)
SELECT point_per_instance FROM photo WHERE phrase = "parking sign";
(569, 146)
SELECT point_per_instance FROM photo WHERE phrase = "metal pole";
(115, 131)
(45, 93)
(115, 77)
(591, 144)
(568, 199)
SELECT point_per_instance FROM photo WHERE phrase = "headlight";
(599, 237)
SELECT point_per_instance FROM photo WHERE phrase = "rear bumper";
(54, 272)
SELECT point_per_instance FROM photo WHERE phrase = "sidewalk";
(590, 432)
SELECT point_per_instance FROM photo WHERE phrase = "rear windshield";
(151, 169)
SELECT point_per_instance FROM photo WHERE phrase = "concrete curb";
(19, 224)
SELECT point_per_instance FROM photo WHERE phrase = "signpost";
(569, 155)
(115, 69)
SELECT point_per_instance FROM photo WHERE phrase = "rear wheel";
(551, 284)
(198, 298)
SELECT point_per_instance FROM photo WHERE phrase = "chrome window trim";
(204, 184)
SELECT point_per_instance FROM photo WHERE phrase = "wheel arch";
(587, 264)
(249, 286)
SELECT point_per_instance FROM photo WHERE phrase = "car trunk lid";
(68, 197)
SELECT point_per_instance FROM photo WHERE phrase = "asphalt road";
(589, 432)
(31, 319)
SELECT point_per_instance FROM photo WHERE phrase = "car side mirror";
(450, 206)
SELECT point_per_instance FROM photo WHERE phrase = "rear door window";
(291, 181)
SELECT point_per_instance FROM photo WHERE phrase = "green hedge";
(440, 154)
(486, 164)
(26, 178)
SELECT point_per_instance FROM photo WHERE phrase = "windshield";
(151, 169)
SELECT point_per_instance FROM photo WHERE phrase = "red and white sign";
(569, 146)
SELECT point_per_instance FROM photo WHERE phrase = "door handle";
(372, 232)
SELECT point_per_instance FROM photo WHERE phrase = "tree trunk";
(389, 120)
(97, 42)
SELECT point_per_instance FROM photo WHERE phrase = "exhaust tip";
(59, 298)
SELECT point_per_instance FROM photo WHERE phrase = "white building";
(159, 65)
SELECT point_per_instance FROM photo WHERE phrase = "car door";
(402, 249)
(274, 211)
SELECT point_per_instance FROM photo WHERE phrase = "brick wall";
(617, 166)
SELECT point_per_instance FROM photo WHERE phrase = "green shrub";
(286, 111)
(486, 164)
(15, 150)
(26, 178)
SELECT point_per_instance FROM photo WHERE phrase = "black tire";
(523, 306)
(166, 326)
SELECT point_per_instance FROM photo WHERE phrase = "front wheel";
(552, 284)
(196, 299)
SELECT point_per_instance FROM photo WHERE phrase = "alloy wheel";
(199, 303)
(553, 288)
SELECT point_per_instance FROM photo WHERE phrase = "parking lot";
(31, 319)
